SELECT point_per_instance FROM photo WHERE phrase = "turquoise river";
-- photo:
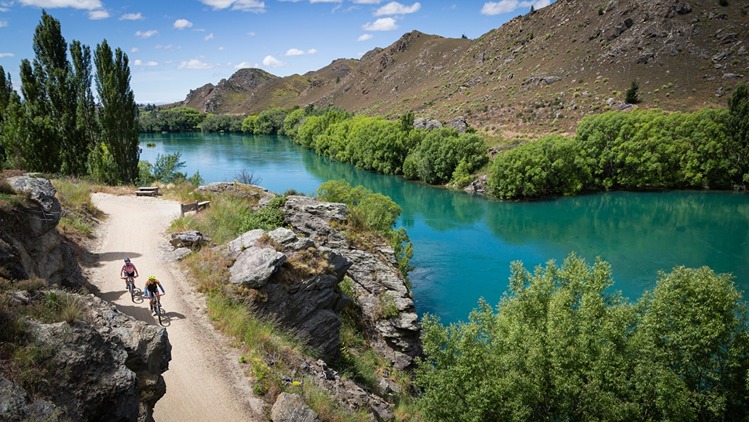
(463, 245)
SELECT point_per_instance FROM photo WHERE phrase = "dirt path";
(204, 381)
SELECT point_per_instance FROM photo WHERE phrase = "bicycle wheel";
(158, 309)
(131, 288)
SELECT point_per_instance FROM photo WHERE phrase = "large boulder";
(30, 245)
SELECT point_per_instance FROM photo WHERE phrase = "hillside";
(540, 72)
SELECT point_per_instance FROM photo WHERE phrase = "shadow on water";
(463, 245)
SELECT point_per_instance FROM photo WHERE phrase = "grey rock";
(190, 239)
(459, 124)
(246, 240)
(255, 266)
(292, 408)
(30, 245)
(426, 124)
(282, 236)
(730, 76)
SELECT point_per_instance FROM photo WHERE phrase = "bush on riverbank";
(558, 347)
(636, 150)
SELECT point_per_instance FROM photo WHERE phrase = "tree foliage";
(222, 123)
(559, 347)
(57, 127)
(117, 117)
(178, 119)
(641, 149)
(738, 127)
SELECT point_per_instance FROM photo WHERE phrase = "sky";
(177, 45)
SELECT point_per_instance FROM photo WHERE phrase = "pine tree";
(632, 95)
(117, 117)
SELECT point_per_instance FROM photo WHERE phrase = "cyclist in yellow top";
(152, 290)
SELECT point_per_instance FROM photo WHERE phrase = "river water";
(463, 245)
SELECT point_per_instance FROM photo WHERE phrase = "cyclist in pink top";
(128, 270)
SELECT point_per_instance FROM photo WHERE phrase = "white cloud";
(364, 37)
(209, 37)
(366, 1)
(395, 8)
(294, 52)
(166, 47)
(182, 24)
(324, 1)
(244, 65)
(54, 4)
(131, 17)
(146, 34)
(252, 34)
(254, 6)
(139, 62)
(506, 6)
(271, 61)
(382, 24)
(221, 48)
(6, 55)
(134, 50)
(3, 24)
(96, 15)
(195, 64)
(312, 51)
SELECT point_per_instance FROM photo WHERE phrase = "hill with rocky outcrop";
(540, 72)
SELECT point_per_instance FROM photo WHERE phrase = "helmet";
(127, 260)
(152, 277)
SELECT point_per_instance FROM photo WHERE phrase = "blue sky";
(178, 45)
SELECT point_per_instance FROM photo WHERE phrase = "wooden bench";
(193, 206)
(147, 191)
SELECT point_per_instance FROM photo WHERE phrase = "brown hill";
(537, 73)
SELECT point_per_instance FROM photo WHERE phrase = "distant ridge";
(541, 72)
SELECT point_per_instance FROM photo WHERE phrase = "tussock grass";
(78, 209)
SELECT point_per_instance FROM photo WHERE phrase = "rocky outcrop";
(296, 283)
(262, 195)
(103, 366)
(292, 408)
(379, 288)
(100, 364)
(30, 245)
(192, 239)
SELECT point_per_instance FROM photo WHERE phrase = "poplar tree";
(6, 90)
(85, 109)
(738, 127)
(117, 116)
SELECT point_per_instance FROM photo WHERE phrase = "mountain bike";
(156, 305)
(130, 286)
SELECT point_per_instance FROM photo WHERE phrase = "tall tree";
(53, 77)
(85, 111)
(6, 90)
(117, 117)
(738, 127)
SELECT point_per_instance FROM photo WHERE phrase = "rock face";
(106, 367)
(277, 265)
(380, 290)
(102, 365)
(292, 408)
(29, 244)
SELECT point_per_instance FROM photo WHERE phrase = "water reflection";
(464, 245)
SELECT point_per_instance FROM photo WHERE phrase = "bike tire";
(131, 287)
(158, 310)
